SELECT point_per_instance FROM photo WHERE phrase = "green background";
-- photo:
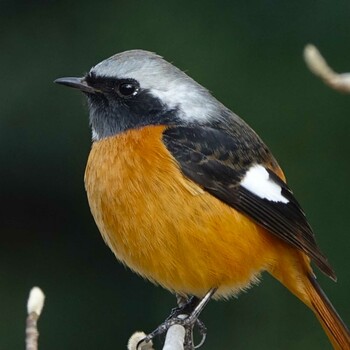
(249, 54)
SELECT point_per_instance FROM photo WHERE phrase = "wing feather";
(218, 162)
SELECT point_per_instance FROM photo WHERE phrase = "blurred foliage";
(248, 53)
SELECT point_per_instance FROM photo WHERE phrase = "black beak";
(76, 83)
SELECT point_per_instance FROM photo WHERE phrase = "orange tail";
(333, 325)
(294, 272)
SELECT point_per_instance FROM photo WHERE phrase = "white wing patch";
(258, 182)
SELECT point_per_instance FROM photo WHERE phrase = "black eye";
(127, 89)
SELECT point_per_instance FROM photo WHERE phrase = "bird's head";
(138, 88)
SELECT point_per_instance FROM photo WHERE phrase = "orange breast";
(164, 226)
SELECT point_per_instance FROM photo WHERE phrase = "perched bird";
(187, 195)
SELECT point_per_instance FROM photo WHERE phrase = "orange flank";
(172, 232)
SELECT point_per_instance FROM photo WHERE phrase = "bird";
(187, 195)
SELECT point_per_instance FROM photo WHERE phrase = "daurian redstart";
(187, 195)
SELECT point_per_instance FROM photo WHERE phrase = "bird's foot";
(188, 322)
(185, 315)
(185, 306)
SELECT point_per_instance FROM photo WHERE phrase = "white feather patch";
(257, 181)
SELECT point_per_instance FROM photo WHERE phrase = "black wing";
(218, 162)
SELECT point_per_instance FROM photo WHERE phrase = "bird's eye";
(127, 89)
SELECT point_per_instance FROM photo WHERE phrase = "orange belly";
(165, 227)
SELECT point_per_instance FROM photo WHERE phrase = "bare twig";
(318, 65)
(135, 342)
(175, 338)
(34, 307)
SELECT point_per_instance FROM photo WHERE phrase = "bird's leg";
(191, 307)
(192, 320)
(185, 306)
(181, 300)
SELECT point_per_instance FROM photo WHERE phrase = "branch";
(34, 307)
(318, 65)
(135, 342)
(174, 340)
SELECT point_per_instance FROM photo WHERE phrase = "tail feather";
(333, 325)
(294, 272)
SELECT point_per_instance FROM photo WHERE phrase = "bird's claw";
(186, 315)
(188, 322)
